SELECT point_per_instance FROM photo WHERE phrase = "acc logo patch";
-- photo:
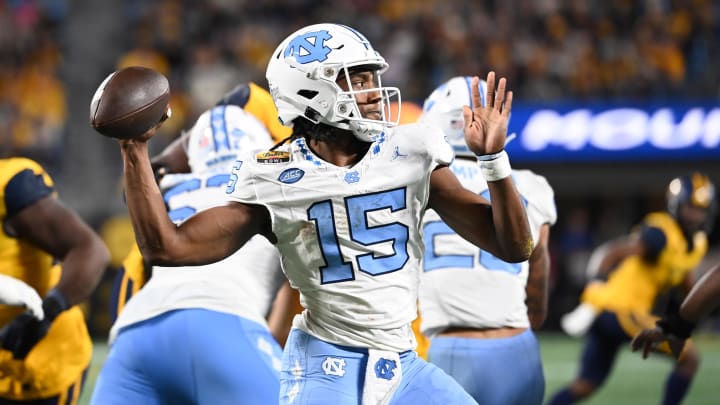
(290, 176)
(273, 156)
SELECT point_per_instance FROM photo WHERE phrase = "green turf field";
(633, 382)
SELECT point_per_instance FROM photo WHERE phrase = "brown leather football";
(129, 102)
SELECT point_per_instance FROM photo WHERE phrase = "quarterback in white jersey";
(212, 317)
(344, 201)
(371, 211)
(473, 305)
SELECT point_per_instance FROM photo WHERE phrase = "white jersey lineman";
(485, 291)
(350, 238)
(465, 288)
(198, 334)
(243, 284)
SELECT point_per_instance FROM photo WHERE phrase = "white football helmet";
(444, 108)
(303, 71)
(222, 132)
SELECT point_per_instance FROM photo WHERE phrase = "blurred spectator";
(552, 49)
(33, 100)
(209, 77)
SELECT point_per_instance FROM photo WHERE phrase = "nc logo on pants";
(334, 366)
(385, 369)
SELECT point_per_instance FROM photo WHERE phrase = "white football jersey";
(219, 133)
(463, 285)
(350, 237)
(245, 283)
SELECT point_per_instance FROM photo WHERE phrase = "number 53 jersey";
(350, 237)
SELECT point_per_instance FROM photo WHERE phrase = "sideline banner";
(555, 133)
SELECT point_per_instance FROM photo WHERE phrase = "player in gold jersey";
(676, 328)
(173, 159)
(660, 254)
(44, 357)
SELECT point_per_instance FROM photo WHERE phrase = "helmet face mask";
(444, 108)
(303, 78)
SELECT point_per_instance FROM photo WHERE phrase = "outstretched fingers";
(475, 93)
(507, 107)
(490, 90)
(468, 116)
(500, 94)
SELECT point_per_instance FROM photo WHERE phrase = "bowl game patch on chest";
(273, 157)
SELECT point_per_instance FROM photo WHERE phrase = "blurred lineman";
(476, 309)
(676, 328)
(254, 99)
(343, 200)
(45, 355)
(661, 254)
(217, 347)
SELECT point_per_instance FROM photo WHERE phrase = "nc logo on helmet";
(290, 176)
(309, 47)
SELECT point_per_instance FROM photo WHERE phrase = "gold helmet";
(695, 190)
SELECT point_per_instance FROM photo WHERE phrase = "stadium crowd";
(560, 49)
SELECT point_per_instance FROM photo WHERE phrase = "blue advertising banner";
(607, 133)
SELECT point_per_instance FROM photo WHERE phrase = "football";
(129, 102)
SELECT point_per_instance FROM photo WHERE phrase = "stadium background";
(614, 98)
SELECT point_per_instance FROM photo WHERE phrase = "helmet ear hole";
(308, 94)
(312, 115)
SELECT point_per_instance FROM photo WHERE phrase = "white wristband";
(496, 166)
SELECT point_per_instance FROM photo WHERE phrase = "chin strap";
(366, 131)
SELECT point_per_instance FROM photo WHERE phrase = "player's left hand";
(649, 339)
(25, 331)
(22, 334)
(486, 126)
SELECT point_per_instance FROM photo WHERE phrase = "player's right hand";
(649, 339)
(149, 133)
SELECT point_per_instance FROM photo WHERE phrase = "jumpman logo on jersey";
(385, 369)
(397, 154)
(309, 47)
